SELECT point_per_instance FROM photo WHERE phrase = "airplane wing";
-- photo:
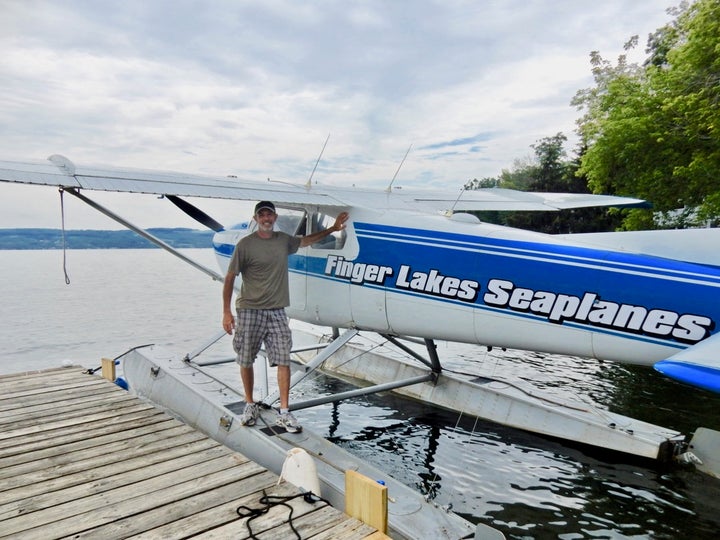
(508, 199)
(60, 171)
(698, 365)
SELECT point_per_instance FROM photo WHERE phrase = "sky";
(255, 88)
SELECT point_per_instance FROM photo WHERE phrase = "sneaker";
(289, 422)
(249, 414)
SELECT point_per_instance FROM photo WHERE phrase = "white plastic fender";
(299, 469)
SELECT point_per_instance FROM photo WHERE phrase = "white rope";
(62, 217)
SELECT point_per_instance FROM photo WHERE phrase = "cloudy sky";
(253, 88)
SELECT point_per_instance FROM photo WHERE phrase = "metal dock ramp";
(82, 458)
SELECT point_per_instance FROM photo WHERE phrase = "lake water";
(525, 485)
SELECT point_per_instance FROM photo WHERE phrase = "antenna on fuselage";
(389, 188)
(452, 208)
(309, 182)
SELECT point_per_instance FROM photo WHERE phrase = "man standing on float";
(262, 259)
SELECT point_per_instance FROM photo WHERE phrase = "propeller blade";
(195, 213)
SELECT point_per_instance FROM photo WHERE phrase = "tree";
(481, 184)
(651, 131)
(548, 174)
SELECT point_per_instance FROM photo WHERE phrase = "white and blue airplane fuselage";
(461, 280)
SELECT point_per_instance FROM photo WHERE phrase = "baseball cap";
(264, 205)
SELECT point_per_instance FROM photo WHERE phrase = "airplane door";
(328, 297)
(368, 265)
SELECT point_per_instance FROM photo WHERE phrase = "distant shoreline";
(31, 239)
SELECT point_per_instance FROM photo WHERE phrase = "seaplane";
(417, 267)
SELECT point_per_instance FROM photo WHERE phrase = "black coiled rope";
(270, 501)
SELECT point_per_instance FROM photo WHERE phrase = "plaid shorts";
(255, 326)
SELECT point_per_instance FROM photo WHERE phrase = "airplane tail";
(694, 374)
(698, 365)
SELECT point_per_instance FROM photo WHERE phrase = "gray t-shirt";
(263, 263)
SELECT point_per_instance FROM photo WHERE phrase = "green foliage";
(651, 131)
(481, 184)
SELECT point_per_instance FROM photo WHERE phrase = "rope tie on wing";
(64, 242)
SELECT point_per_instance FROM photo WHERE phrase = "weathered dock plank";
(81, 458)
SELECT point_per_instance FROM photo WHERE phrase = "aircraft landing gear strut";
(433, 363)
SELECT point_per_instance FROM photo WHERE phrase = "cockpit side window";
(290, 221)
(320, 222)
(295, 222)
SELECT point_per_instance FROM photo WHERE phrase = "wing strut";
(144, 234)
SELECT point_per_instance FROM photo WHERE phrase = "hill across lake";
(101, 239)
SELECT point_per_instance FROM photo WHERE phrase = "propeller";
(195, 213)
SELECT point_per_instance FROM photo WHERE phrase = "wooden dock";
(82, 458)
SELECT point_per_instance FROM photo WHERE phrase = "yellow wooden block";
(108, 369)
(366, 500)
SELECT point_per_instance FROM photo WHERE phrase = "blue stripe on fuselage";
(606, 284)
(609, 260)
(226, 250)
